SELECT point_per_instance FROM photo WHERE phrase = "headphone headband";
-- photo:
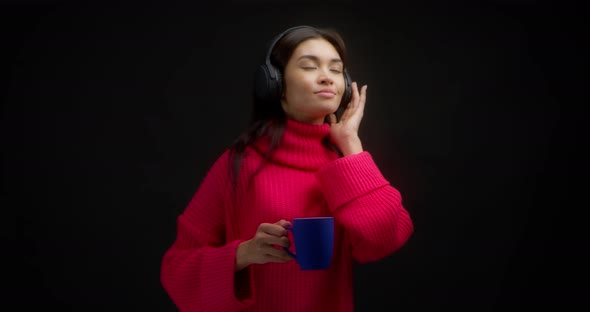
(274, 42)
(268, 84)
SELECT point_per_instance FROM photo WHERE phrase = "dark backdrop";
(112, 113)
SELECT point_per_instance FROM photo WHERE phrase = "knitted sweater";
(302, 179)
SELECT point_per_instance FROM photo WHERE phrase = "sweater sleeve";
(197, 271)
(366, 205)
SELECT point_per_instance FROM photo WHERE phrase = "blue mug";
(313, 241)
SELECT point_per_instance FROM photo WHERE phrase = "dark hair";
(268, 117)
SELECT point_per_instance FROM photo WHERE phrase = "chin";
(329, 107)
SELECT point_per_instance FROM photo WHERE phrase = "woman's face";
(313, 82)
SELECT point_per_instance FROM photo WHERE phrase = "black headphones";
(268, 79)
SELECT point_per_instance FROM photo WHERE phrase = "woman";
(300, 157)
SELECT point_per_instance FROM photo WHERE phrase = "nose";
(325, 79)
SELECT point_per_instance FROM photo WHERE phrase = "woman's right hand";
(262, 247)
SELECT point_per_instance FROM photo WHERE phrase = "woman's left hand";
(344, 133)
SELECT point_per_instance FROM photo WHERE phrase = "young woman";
(301, 157)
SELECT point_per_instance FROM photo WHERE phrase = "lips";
(326, 91)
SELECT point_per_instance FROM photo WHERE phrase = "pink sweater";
(303, 179)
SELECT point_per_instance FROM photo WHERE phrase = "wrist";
(351, 146)
(242, 256)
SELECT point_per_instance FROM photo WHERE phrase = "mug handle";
(289, 228)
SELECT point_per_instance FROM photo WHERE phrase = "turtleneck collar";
(301, 146)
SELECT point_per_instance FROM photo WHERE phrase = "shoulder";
(223, 160)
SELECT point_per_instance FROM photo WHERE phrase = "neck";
(301, 146)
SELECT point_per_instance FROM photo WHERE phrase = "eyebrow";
(315, 58)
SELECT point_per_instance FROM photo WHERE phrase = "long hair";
(268, 117)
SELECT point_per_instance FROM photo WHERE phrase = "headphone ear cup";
(266, 87)
(347, 96)
(261, 82)
(278, 86)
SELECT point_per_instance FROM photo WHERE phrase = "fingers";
(353, 104)
(347, 111)
(283, 223)
(270, 240)
(355, 95)
(363, 97)
(332, 119)
(273, 234)
(275, 229)
(263, 239)
(358, 98)
(271, 246)
(282, 241)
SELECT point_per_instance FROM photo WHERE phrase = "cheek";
(287, 85)
(294, 86)
(342, 85)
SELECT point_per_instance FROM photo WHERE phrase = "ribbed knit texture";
(303, 179)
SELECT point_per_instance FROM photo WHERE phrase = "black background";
(112, 113)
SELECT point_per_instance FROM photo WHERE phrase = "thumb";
(332, 119)
(284, 223)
